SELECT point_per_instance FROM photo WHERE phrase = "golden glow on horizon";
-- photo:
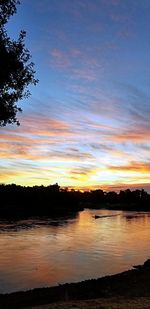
(52, 156)
(105, 179)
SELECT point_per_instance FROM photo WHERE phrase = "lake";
(47, 252)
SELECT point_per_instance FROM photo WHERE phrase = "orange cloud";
(139, 167)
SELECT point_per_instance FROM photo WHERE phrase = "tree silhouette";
(16, 72)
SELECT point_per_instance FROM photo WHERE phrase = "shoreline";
(128, 284)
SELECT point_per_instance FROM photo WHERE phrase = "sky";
(87, 122)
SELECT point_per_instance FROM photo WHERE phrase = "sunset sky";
(87, 122)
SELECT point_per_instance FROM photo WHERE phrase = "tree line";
(51, 200)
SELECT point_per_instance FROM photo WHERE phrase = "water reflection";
(16, 225)
(36, 253)
(137, 216)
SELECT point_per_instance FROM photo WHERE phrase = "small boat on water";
(96, 217)
(105, 216)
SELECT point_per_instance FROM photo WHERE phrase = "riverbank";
(101, 303)
(128, 285)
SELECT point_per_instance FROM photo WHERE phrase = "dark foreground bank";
(129, 284)
(100, 303)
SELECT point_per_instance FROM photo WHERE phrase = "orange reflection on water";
(44, 253)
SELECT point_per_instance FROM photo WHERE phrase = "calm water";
(35, 253)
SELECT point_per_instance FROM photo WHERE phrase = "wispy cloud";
(76, 63)
(139, 167)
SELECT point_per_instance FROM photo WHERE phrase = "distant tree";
(97, 196)
(54, 188)
(16, 72)
(112, 197)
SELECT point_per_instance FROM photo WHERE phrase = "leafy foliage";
(16, 72)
